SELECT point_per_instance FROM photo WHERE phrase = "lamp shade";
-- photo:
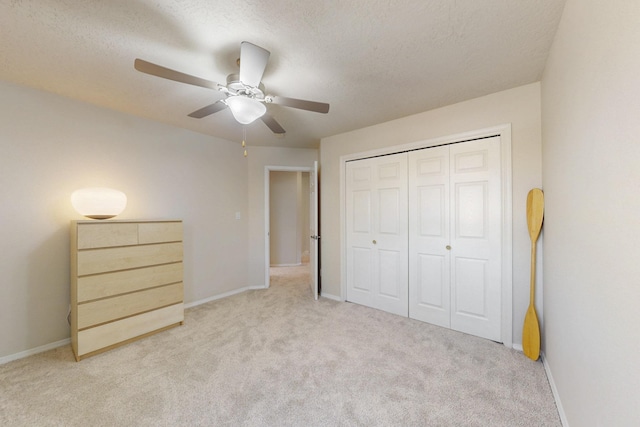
(245, 109)
(98, 203)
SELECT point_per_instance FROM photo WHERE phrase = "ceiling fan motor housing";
(236, 87)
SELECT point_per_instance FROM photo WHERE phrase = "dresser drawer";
(110, 334)
(120, 282)
(109, 309)
(158, 232)
(104, 235)
(95, 261)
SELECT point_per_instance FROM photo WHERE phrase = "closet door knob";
(374, 242)
(448, 247)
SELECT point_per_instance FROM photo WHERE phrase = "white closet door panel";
(361, 211)
(390, 169)
(432, 269)
(362, 270)
(360, 275)
(389, 211)
(377, 233)
(360, 225)
(359, 219)
(432, 210)
(390, 236)
(432, 297)
(429, 295)
(470, 213)
(471, 287)
(476, 238)
(360, 175)
(390, 272)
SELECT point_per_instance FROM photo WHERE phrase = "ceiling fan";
(244, 92)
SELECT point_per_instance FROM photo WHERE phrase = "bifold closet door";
(376, 228)
(455, 241)
(429, 226)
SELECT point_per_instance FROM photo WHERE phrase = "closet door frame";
(504, 132)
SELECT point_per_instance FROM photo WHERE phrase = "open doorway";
(288, 218)
(301, 197)
(291, 222)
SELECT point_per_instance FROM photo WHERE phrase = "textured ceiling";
(372, 60)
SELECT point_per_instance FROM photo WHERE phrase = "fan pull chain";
(244, 137)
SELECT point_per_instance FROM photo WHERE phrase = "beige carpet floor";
(276, 357)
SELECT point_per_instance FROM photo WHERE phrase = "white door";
(376, 216)
(429, 227)
(313, 230)
(476, 240)
(455, 237)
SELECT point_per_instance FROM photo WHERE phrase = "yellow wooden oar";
(531, 329)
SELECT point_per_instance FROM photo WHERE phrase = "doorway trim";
(504, 132)
(267, 212)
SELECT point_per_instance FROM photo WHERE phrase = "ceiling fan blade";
(272, 124)
(253, 61)
(167, 73)
(318, 107)
(208, 110)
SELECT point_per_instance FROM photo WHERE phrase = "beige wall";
(258, 159)
(591, 158)
(283, 218)
(288, 216)
(51, 146)
(520, 107)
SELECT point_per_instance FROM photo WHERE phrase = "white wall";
(259, 158)
(591, 169)
(519, 106)
(51, 146)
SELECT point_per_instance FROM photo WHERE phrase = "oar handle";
(533, 272)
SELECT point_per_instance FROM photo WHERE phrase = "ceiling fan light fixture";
(244, 109)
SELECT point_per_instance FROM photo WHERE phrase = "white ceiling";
(372, 60)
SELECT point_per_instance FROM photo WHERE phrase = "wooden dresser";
(126, 282)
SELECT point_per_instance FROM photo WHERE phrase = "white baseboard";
(224, 295)
(50, 346)
(32, 351)
(517, 347)
(554, 390)
(286, 265)
(333, 297)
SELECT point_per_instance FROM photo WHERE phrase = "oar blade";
(531, 335)
(535, 212)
